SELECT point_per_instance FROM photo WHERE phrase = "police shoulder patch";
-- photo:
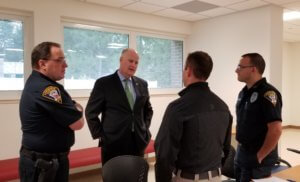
(271, 96)
(52, 93)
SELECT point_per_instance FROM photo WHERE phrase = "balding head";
(128, 62)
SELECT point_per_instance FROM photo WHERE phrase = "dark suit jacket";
(108, 98)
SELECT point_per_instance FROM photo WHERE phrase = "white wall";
(228, 37)
(291, 86)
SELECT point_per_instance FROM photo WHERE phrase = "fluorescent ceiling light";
(101, 56)
(117, 44)
(14, 49)
(291, 15)
(70, 50)
(88, 27)
(114, 47)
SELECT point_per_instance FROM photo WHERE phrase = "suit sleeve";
(148, 111)
(95, 106)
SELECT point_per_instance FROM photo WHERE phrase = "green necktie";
(128, 94)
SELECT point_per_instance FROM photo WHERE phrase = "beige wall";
(228, 37)
(225, 38)
(47, 16)
(291, 86)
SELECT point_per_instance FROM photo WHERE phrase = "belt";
(203, 175)
(46, 156)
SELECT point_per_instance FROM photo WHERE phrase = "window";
(91, 54)
(160, 61)
(11, 55)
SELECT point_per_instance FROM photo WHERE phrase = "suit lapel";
(136, 87)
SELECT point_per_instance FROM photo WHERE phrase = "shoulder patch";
(52, 93)
(271, 96)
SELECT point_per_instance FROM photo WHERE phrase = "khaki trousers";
(178, 178)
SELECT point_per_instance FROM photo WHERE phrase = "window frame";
(133, 33)
(26, 18)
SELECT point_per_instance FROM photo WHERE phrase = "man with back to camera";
(259, 120)
(195, 132)
(48, 116)
(122, 99)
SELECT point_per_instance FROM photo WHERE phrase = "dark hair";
(256, 60)
(201, 64)
(42, 51)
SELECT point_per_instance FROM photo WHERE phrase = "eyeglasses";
(59, 60)
(240, 67)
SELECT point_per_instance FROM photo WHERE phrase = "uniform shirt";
(255, 108)
(46, 111)
(194, 134)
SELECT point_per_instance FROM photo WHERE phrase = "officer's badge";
(271, 96)
(253, 97)
(52, 93)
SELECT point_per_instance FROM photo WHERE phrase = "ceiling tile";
(216, 12)
(195, 6)
(173, 13)
(223, 2)
(143, 7)
(280, 2)
(113, 3)
(166, 3)
(247, 5)
(293, 6)
(193, 17)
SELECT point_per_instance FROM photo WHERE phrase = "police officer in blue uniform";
(48, 116)
(259, 120)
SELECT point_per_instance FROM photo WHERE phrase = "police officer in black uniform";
(259, 120)
(195, 132)
(49, 117)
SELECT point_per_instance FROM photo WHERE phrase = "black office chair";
(294, 150)
(280, 165)
(228, 166)
(125, 168)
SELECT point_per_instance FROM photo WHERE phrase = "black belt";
(203, 175)
(46, 156)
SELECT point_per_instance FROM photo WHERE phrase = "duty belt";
(199, 176)
(46, 156)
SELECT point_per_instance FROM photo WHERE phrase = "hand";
(259, 158)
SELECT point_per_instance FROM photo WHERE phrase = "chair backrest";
(228, 166)
(125, 168)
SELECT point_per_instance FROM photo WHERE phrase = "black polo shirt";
(46, 111)
(255, 108)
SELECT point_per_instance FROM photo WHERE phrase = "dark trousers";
(126, 147)
(29, 173)
(246, 166)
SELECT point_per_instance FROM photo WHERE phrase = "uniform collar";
(39, 74)
(201, 85)
(257, 84)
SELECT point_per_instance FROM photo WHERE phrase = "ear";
(254, 69)
(42, 64)
(189, 71)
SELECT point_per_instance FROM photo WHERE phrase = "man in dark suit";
(122, 99)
